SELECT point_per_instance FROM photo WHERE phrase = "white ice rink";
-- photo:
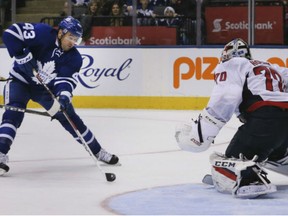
(52, 174)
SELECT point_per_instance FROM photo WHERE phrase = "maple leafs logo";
(46, 72)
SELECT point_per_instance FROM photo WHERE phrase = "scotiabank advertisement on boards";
(146, 35)
(176, 72)
(226, 23)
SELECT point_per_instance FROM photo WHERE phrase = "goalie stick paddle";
(207, 179)
(110, 177)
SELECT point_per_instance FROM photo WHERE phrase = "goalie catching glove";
(198, 135)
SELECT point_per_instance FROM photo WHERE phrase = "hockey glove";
(64, 99)
(26, 63)
(197, 136)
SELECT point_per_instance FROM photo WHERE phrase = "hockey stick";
(109, 176)
(207, 179)
(2, 79)
(17, 109)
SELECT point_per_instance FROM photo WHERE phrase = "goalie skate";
(255, 185)
(246, 191)
(241, 177)
(254, 191)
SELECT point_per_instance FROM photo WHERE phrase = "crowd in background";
(174, 13)
(119, 13)
(144, 7)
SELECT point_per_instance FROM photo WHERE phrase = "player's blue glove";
(26, 63)
(64, 99)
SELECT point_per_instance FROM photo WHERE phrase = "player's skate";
(106, 157)
(3, 164)
(241, 177)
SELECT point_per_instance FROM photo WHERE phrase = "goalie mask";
(235, 48)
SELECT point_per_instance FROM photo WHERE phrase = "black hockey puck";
(110, 177)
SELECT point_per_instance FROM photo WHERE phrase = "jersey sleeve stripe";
(18, 35)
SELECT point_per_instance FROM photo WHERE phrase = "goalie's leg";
(240, 177)
(259, 136)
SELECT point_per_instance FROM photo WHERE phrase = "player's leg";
(15, 94)
(100, 153)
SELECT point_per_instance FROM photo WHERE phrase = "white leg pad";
(223, 175)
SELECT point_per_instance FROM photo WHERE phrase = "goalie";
(255, 91)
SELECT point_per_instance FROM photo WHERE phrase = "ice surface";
(50, 173)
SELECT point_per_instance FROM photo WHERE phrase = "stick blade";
(110, 177)
(207, 179)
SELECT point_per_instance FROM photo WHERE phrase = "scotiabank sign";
(226, 23)
(146, 35)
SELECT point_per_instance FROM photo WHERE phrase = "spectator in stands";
(94, 8)
(86, 20)
(63, 13)
(107, 5)
(65, 10)
(117, 17)
(171, 18)
(128, 7)
(80, 2)
(187, 8)
(80, 8)
(145, 14)
(184, 7)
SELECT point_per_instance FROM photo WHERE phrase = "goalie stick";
(277, 167)
(207, 179)
(110, 177)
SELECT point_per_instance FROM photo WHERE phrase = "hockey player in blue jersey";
(53, 55)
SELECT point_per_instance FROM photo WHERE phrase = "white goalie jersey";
(242, 85)
(246, 85)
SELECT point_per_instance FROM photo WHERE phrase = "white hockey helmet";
(236, 48)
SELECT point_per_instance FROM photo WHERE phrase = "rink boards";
(148, 78)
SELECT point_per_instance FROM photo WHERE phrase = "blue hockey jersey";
(59, 69)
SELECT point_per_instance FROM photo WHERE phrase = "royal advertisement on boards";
(180, 72)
